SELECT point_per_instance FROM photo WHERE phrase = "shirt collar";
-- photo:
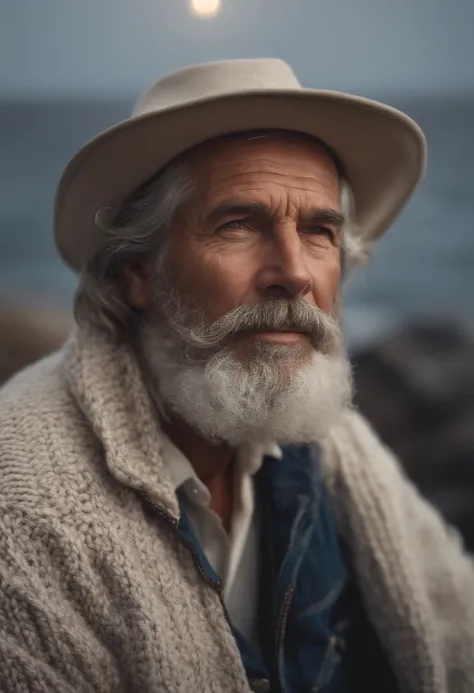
(249, 460)
(250, 455)
(180, 467)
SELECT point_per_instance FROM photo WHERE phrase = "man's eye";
(322, 231)
(234, 225)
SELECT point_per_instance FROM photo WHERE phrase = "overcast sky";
(369, 46)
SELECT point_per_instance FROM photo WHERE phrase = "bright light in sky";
(206, 7)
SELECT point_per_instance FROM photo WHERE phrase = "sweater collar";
(107, 383)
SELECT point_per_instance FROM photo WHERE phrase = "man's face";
(238, 335)
(264, 223)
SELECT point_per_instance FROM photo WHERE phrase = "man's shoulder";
(33, 393)
(352, 434)
(353, 452)
(38, 418)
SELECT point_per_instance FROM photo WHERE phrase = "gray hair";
(137, 233)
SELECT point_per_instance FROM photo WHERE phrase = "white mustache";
(268, 315)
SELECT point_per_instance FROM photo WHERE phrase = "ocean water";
(424, 266)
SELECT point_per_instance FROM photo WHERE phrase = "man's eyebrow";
(326, 215)
(322, 215)
(236, 208)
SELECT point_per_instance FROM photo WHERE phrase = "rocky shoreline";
(28, 332)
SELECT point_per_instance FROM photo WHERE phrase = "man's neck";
(212, 463)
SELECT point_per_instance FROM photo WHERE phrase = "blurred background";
(70, 69)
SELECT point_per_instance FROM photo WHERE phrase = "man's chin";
(288, 356)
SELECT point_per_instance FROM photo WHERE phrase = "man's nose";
(285, 274)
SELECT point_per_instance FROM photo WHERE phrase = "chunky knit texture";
(98, 592)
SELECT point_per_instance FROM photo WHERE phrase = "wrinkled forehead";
(260, 160)
(257, 140)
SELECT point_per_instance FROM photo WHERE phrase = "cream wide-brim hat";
(382, 150)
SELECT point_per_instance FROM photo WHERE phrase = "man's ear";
(138, 285)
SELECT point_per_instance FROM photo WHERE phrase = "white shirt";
(233, 556)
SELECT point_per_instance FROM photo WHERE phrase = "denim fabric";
(305, 615)
(307, 571)
(252, 662)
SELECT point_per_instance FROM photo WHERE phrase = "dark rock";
(29, 332)
(417, 389)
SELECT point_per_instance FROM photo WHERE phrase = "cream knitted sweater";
(99, 594)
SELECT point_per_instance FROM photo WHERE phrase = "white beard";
(228, 401)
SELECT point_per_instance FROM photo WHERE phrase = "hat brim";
(383, 152)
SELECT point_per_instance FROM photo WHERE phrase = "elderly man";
(188, 500)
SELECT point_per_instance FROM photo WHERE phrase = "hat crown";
(215, 79)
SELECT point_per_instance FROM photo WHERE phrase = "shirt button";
(259, 685)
